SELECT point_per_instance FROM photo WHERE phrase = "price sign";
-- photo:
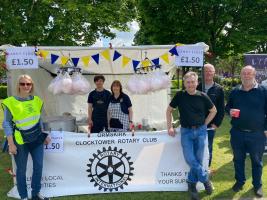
(21, 58)
(189, 56)
(57, 142)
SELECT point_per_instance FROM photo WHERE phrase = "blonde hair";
(190, 74)
(24, 76)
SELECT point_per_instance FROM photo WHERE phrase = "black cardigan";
(216, 94)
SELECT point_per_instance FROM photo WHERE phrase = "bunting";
(179, 44)
(75, 61)
(173, 51)
(125, 61)
(116, 55)
(96, 58)
(165, 57)
(146, 63)
(54, 58)
(64, 60)
(86, 60)
(43, 53)
(135, 64)
(155, 61)
(106, 54)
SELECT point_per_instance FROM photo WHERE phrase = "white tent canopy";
(151, 106)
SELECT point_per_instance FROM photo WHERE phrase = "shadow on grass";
(225, 144)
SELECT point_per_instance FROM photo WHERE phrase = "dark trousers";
(99, 127)
(248, 142)
(211, 134)
(21, 159)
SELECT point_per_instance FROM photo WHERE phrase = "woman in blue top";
(120, 113)
(22, 128)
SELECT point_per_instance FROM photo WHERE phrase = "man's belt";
(192, 127)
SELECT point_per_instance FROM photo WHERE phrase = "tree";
(227, 26)
(65, 22)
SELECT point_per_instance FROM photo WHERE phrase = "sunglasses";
(23, 84)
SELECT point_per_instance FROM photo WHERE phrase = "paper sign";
(21, 58)
(189, 56)
(57, 142)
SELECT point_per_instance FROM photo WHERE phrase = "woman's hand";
(12, 149)
(131, 126)
(47, 140)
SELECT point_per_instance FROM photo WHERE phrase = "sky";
(122, 38)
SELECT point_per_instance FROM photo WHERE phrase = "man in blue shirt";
(249, 127)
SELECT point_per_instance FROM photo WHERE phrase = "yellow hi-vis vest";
(25, 114)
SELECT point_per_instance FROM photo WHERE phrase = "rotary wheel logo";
(110, 169)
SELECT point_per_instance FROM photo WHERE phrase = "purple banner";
(259, 61)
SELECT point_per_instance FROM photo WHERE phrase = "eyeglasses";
(27, 84)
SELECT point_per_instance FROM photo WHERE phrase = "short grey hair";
(209, 65)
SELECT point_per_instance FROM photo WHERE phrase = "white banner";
(21, 58)
(189, 56)
(113, 162)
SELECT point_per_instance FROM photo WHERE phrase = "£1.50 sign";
(189, 56)
(21, 58)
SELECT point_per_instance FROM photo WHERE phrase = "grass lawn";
(222, 179)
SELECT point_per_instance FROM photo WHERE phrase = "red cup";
(235, 113)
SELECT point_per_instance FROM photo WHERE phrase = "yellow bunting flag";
(43, 53)
(125, 61)
(146, 63)
(179, 44)
(64, 60)
(106, 54)
(165, 57)
(86, 60)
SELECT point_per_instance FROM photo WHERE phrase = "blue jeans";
(193, 143)
(254, 144)
(21, 159)
(211, 134)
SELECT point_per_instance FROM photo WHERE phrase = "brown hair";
(24, 76)
(116, 83)
(98, 77)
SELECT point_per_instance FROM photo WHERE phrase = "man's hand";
(265, 132)
(171, 132)
(90, 123)
(214, 126)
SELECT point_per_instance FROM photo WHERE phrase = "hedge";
(3, 92)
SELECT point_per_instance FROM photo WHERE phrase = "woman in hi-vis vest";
(22, 128)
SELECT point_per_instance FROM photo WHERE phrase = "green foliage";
(228, 27)
(2, 66)
(228, 84)
(176, 83)
(231, 64)
(66, 22)
(3, 92)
